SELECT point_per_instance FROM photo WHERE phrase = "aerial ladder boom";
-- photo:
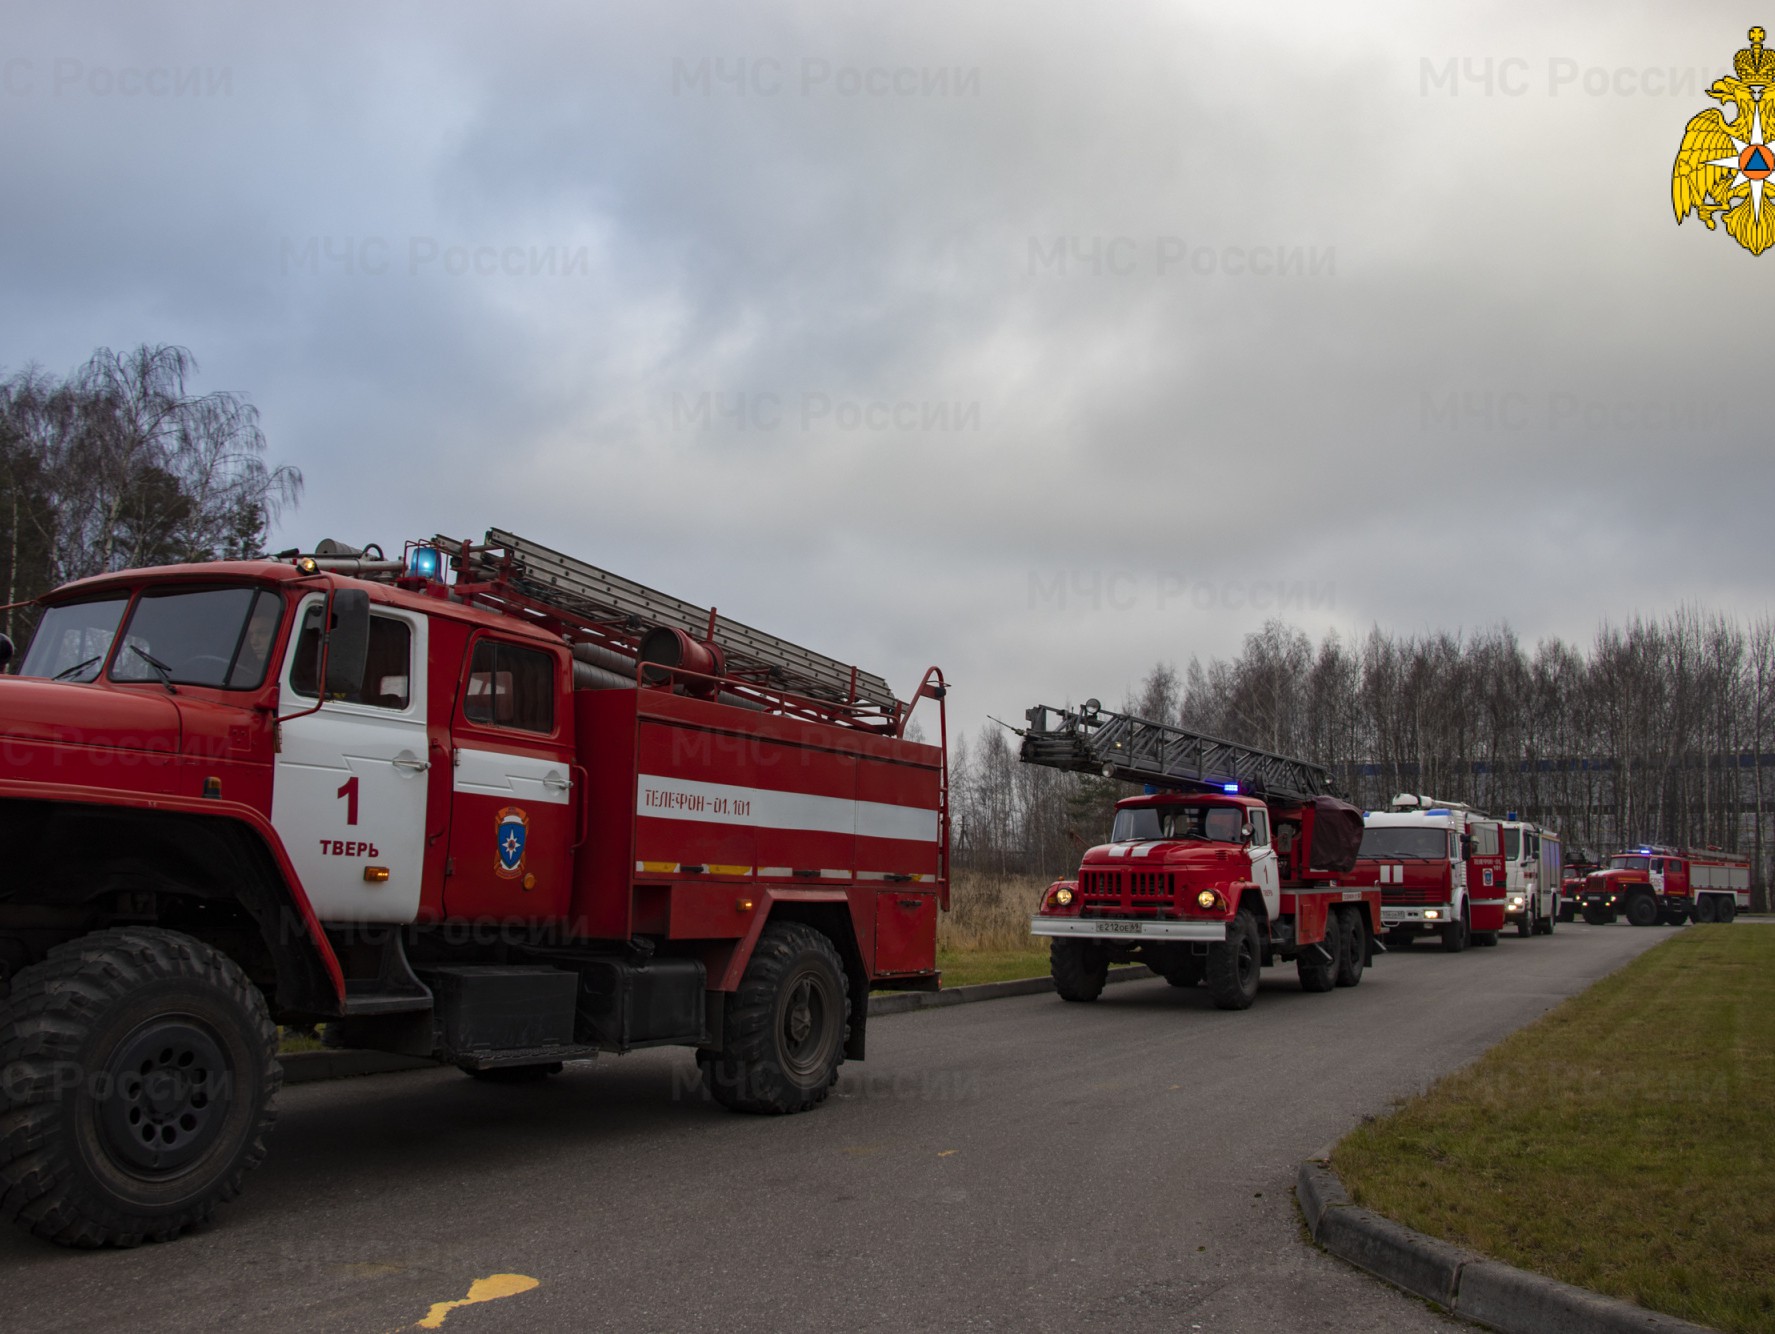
(1139, 750)
(593, 606)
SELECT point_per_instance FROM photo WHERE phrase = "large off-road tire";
(1528, 924)
(1316, 973)
(1704, 908)
(1080, 968)
(1485, 938)
(1546, 924)
(1457, 934)
(1599, 916)
(1725, 910)
(1355, 952)
(786, 1026)
(138, 1068)
(1234, 964)
(1642, 910)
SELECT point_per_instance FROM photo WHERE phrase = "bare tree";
(122, 465)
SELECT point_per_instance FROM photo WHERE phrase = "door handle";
(411, 763)
(558, 783)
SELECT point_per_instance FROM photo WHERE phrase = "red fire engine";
(484, 803)
(1231, 862)
(1656, 884)
(1419, 854)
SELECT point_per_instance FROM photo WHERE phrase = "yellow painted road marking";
(489, 1289)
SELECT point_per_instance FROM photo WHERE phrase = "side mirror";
(347, 645)
(6, 649)
(1467, 849)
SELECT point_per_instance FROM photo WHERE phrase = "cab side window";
(387, 681)
(1260, 829)
(509, 686)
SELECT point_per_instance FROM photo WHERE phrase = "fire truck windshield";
(1217, 824)
(72, 640)
(1404, 844)
(1629, 863)
(199, 637)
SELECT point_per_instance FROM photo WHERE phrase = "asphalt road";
(1016, 1164)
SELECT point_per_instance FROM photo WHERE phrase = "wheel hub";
(805, 1025)
(164, 1096)
(800, 1020)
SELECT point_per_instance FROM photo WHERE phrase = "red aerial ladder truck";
(1234, 859)
(483, 803)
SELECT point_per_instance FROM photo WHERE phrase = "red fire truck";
(1418, 853)
(483, 803)
(1233, 861)
(1657, 884)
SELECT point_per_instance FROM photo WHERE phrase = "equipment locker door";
(1486, 876)
(349, 794)
(905, 932)
(514, 790)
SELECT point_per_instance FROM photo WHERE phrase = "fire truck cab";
(1417, 853)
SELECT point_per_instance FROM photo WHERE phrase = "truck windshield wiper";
(66, 672)
(165, 673)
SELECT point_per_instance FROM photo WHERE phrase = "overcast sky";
(1035, 341)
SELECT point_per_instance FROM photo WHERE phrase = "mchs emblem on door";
(509, 837)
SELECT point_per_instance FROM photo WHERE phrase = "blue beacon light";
(423, 562)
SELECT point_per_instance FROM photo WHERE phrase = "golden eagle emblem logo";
(1724, 165)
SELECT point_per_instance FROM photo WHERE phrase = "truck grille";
(1143, 889)
(1149, 885)
(1413, 894)
(1101, 886)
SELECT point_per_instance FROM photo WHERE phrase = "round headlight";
(1063, 897)
(1207, 900)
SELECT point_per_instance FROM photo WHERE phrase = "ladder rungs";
(594, 594)
(1138, 750)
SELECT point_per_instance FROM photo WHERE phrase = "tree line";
(121, 463)
(1658, 730)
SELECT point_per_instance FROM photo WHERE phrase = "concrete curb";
(306, 1067)
(1487, 1292)
(898, 1002)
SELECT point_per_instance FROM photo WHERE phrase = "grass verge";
(1623, 1142)
(963, 968)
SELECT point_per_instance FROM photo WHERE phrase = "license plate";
(1120, 928)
